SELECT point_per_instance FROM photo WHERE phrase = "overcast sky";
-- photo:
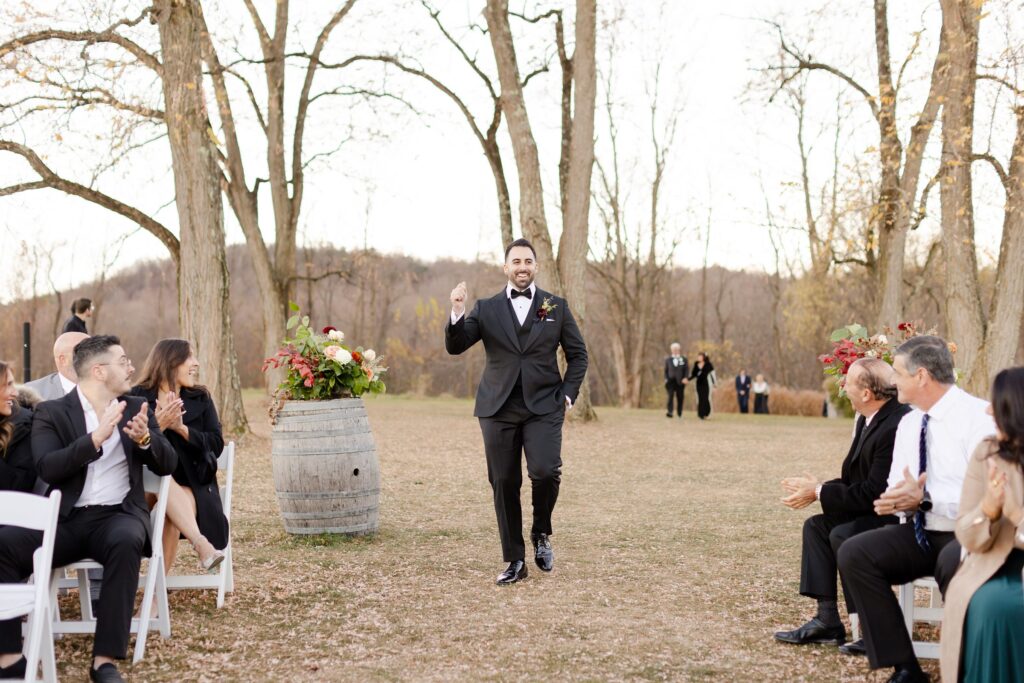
(417, 183)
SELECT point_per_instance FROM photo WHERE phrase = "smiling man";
(522, 397)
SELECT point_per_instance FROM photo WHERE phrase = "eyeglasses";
(124, 363)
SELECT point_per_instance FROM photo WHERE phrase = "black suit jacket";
(74, 324)
(676, 374)
(63, 450)
(865, 469)
(197, 459)
(743, 385)
(492, 321)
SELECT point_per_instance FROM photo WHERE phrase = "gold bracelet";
(144, 441)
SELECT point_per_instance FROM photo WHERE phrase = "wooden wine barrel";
(326, 473)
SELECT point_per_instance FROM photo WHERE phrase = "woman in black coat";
(704, 373)
(188, 418)
(17, 468)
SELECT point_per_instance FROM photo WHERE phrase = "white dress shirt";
(66, 384)
(106, 479)
(521, 305)
(957, 424)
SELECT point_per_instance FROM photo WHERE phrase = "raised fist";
(459, 295)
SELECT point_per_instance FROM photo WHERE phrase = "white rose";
(336, 335)
(369, 355)
(882, 339)
(343, 356)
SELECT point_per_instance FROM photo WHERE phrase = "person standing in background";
(704, 373)
(81, 310)
(760, 389)
(743, 391)
(676, 370)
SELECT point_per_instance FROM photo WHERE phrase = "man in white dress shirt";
(934, 443)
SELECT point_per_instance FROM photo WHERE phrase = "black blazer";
(63, 450)
(676, 374)
(74, 324)
(866, 469)
(743, 385)
(492, 321)
(17, 468)
(197, 459)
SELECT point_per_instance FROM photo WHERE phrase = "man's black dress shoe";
(855, 648)
(814, 631)
(16, 670)
(516, 571)
(543, 553)
(907, 675)
(107, 673)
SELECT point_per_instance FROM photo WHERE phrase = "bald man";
(57, 384)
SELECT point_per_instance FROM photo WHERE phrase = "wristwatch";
(926, 503)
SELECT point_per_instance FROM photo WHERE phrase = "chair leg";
(33, 643)
(162, 606)
(48, 656)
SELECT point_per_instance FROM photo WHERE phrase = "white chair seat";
(16, 601)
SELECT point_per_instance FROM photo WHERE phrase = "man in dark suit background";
(91, 446)
(522, 397)
(743, 391)
(847, 503)
(81, 310)
(677, 369)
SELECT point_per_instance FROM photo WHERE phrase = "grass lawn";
(674, 561)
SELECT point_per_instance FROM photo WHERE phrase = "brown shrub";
(781, 401)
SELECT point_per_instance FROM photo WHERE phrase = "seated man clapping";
(847, 503)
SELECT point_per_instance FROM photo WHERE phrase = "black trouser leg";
(117, 542)
(817, 562)
(503, 445)
(843, 532)
(16, 548)
(947, 564)
(871, 563)
(680, 395)
(542, 443)
(744, 402)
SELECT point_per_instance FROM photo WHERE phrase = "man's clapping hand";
(801, 491)
(903, 497)
(138, 427)
(111, 416)
(459, 295)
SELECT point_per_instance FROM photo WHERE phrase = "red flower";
(329, 328)
(828, 360)
(902, 326)
(357, 357)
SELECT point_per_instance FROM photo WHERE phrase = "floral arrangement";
(852, 342)
(320, 366)
(545, 309)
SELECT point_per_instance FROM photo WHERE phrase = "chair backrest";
(226, 463)
(29, 511)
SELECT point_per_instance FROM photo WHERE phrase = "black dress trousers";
(508, 434)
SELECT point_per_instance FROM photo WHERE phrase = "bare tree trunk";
(203, 289)
(964, 316)
(572, 247)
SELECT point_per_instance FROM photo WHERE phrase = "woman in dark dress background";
(703, 373)
(188, 418)
(17, 468)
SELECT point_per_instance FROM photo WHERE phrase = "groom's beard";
(514, 281)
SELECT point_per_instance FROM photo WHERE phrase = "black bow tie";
(528, 293)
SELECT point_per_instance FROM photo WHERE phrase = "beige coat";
(987, 543)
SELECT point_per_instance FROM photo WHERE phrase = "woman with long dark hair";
(983, 619)
(704, 373)
(188, 418)
(17, 468)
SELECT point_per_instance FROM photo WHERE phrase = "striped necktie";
(922, 539)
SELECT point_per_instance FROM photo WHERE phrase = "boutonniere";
(545, 309)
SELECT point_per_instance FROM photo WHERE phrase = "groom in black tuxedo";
(522, 397)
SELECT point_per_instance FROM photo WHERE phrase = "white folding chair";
(33, 599)
(223, 580)
(932, 613)
(153, 581)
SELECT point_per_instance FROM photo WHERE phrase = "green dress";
(993, 642)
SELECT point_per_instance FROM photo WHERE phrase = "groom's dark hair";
(521, 242)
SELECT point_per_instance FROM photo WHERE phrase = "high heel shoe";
(211, 562)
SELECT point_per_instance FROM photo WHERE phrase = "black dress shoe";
(668, 414)
(855, 648)
(107, 673)
(516, 571)
(543, 554)
(904, 674)
(16, 670)
(814, 631)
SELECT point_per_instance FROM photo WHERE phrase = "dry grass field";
(674, 561)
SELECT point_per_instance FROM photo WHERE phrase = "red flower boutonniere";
(545, 309)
